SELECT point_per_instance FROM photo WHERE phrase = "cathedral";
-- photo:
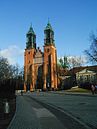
(40, 68)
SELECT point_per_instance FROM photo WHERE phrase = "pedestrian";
(93, 89)
(96, 89)
(21, 92)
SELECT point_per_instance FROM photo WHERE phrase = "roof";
(48, 27)
(31, 31)
(78, 69)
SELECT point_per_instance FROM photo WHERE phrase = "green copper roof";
(31, 31)
(48, 27)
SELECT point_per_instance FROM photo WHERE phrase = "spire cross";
(48, 20)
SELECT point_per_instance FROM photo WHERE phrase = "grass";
(79, 90)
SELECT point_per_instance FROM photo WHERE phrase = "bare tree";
(5, 72)
(76, 61)
(8, 71)
(92, 51)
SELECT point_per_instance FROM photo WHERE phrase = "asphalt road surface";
(40, 110)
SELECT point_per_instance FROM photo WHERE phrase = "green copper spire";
(31, 31)
(48, 27)
(49, 35)
(31, 38)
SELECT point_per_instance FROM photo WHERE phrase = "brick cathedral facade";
(40, 68)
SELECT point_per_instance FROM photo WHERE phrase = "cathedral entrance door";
(28, 87)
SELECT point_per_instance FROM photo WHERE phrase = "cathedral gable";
(38, 58)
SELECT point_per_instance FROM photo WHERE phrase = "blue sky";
(72, 21)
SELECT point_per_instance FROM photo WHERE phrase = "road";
(42, 110)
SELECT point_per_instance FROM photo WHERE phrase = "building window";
(28, 52)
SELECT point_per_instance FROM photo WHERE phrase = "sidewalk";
(25, 117)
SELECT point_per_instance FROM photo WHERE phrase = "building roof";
(48, 27)
(31, 31)
(78, 69)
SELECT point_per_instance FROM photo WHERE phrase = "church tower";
(50, 60)
(29, 60)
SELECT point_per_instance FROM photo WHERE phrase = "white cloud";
(12, 53)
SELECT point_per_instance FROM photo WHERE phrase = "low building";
(81, 76)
